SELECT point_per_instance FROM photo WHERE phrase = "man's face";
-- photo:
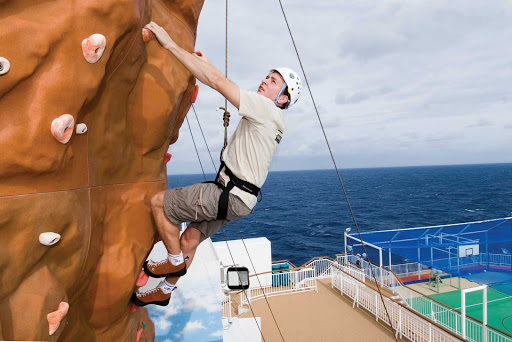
(271, 85)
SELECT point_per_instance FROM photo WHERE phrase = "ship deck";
(317, 316)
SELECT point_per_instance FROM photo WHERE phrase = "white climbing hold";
(49, 238)
(93, 47)
(81, 128)
(5, 66)
(62, 128)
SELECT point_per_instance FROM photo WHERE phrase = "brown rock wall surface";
(95, 190)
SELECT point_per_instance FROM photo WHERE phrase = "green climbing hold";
(143, 325)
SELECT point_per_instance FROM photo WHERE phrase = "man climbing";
(246, 159)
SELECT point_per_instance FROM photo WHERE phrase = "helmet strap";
(280, 93)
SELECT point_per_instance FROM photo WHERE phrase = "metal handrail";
(440, 303)
(405, 307)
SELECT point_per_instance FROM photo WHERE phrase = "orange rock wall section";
(94, 190)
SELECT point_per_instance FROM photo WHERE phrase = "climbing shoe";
(164, 268)
(155, 297)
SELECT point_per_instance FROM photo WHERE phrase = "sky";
(396, 83)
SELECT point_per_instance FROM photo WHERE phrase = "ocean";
(304, 213)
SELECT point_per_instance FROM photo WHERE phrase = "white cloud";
(218, 333)
(190, 327)
(162, 323)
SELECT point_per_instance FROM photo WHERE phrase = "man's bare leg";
(189, 241)
(168, 231)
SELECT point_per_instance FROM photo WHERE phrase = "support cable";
(337, 170)
(197, 152)
(200, 128)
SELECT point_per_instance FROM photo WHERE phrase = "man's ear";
(282, 100)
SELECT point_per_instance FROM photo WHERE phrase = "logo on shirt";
(279, 136)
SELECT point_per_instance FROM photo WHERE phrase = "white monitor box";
(260, 252)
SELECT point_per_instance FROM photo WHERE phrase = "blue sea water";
(304, 213)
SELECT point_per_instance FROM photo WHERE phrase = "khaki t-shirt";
(250, 150)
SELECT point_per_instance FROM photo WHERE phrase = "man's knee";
(157, 201)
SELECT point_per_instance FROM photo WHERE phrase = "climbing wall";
(87, 112)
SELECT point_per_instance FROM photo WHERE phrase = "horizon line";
(359, 168)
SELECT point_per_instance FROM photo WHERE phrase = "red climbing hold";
(167, 158)
(142, 279)
(138, 334)
(194, 94)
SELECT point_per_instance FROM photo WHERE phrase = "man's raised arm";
(199, 66)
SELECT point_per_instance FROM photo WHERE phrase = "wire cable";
(336, 167)
(197, 152)
(201, 129)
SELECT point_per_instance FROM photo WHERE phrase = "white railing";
(446, 316)
(406, 323)
(500, 259)
(323, 269)
(283, 282)
(406, 312)
(321, 266)
(279, 283)
(450, 264)
(226, 307)
(408, 269)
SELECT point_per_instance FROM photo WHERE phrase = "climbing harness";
(226, 188)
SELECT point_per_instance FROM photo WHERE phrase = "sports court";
(438, 263)
(499, 306)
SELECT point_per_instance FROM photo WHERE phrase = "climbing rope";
(225, 119)
(226, 113)
(337, 171)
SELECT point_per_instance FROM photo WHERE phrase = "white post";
(390, 259)
(463, 313)
(229, 301)
(380, 264)
(419, 264)
(484, 325)
(376, 308)
(345, 237)
(463, 310)
(341, 283)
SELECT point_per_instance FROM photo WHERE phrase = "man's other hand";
(201, 55)
(161, 35)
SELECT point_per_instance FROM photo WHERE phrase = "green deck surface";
(499, 307)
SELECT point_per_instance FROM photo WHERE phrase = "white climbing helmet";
(293, 82)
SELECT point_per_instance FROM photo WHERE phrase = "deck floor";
(318, 316)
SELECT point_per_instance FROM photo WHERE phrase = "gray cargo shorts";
(198, 204)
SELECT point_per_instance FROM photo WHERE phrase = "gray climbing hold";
(5, 66)
(81, 128)
(49, 238)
